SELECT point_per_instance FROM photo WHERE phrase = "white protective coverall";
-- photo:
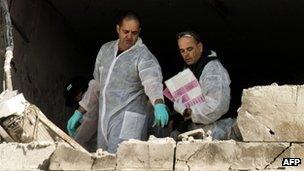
(87, 131)
(127, 83)
(214, 81)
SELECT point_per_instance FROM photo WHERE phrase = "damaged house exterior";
(40, 49)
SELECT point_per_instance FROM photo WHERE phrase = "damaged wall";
(158, 154)
(44, 56)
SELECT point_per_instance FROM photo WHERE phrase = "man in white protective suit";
(130, 87)
(215, 87)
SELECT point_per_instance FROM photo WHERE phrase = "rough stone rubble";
(270, 121)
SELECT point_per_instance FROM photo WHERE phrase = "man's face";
(128, 33)
(190, 50)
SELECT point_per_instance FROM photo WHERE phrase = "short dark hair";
(73, 87)
(128, 15)
(189, 33)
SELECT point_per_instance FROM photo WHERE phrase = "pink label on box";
(183, 90)
(167, 94)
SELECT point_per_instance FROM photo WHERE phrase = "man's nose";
(186, 53)
(129, 35)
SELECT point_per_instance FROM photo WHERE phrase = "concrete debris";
(16, 156)
(272, 113)
(155, 154)
(11, 103)
(195, 134)
(68, 158)
(30, 124)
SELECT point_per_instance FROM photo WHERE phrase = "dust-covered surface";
(17, 156)
(155, 154)
(227, 155)
(272, 113)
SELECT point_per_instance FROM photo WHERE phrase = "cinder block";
(67, 158)
(156, 154)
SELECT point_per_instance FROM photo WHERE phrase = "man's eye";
(182, 51)
(189, 49)
(134, 32)
(126, 32)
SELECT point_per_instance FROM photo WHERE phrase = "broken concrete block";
(161, 152)
(12, 105)
(225, 155)
(104, 161)
(156, 154)
(132, 154)
(197, 134)
(272, 113)
(200, 155)
(68, 158)
(16, 156)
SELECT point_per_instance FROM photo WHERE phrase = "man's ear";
(201, 47)
(117, 28)
(139, 30)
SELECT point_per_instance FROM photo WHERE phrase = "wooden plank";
(57, 130)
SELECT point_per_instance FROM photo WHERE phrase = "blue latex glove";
(73, 122)
(161, 115)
